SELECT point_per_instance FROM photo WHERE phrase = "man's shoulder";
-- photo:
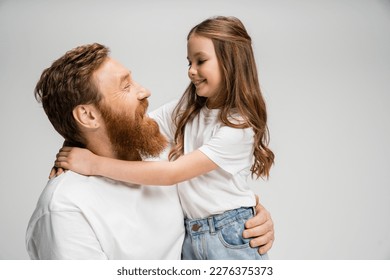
(70, 191)
(64, 191)
(74, 192)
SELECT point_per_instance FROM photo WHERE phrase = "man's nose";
(143, 93)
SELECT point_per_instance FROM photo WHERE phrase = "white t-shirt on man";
(91, 217)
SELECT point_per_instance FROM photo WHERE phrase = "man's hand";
(261, 229)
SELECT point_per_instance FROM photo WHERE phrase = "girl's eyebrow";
(200, 53)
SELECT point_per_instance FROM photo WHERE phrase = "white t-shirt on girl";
(230, 148)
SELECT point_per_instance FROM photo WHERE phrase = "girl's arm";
(161, 173)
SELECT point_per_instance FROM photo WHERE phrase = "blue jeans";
(219, 237)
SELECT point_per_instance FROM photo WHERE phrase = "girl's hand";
(76, 159)
(55, 171)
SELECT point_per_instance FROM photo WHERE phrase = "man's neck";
(102, 147)
(99, 144)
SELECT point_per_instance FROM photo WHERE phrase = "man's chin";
(134, 139)
(151, 143)
(154, 147)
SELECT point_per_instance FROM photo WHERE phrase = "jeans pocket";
(231, 235)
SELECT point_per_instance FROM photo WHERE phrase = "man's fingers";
(262, 240)
(257, 220)
(260, 230)
(260, 208)
(265, 248)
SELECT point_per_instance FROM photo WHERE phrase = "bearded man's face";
(133, 136)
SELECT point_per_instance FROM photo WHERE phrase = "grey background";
(324, 69)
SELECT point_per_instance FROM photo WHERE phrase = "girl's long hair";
(240, 87)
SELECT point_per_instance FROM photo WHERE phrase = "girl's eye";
(199, 62)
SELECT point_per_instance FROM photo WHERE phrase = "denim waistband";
(215, 222)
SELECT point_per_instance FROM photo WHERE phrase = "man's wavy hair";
(240, 89)
(67, 83)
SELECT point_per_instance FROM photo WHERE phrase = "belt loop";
(210, 221)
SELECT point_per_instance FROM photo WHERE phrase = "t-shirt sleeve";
(230, 148)
(163, 116)
(63, 236)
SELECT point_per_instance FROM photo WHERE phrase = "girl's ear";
(86, 116)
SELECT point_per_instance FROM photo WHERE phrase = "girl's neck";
(211, 106)
(214, 103)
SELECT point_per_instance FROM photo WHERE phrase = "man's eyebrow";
(125, 77)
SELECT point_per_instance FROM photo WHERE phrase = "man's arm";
(63, 235)
(261, 229)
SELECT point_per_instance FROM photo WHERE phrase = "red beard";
(133, 138)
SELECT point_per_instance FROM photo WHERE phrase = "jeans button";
(196, 227)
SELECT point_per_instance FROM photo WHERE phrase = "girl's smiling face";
(204, 71)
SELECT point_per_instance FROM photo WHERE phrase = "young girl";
(220, 136)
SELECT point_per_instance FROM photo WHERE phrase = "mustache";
(142, 107)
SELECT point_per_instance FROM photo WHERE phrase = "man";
(92, 101)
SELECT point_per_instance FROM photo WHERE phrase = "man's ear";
(87, 116)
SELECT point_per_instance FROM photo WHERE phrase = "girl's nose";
(191, 71)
